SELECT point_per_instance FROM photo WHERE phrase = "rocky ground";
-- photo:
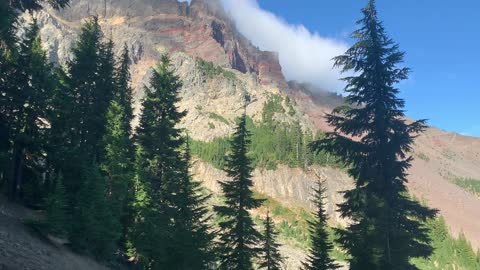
(22, 249)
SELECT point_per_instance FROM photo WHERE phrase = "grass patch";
(229, 75)
(469, 184)
(211, 70)
(424, 157)
(218, 117)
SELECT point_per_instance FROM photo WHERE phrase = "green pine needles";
(320, 249)
(239, 239)
(170, 230)
(270, 258)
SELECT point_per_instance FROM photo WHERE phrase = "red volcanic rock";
(201, 29)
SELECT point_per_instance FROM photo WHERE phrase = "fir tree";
(118, 162)
(271, 258)
(192, 234)
(319, 253)
(90, 83)
(56, 206)
(124, 91)
(29, 99)
(239, 239)
(94, 229)
(170, 231)
(9, 67)
(373, 138)
(118, 165)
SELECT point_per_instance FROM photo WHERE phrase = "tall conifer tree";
(9, 71)
(119, 149)
(372, 136)
(319, 257)
(271, 258)
(239, 240)
(29, 99)
(170, 231)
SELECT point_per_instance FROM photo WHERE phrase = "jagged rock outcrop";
(200, 29)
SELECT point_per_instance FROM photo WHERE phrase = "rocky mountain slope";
(243, 74)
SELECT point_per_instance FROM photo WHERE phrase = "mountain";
(222, 71)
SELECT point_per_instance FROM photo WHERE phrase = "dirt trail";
(21, 250)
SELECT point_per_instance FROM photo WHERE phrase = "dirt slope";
(21, 250)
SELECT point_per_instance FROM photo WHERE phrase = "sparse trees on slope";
(239, 239)
(271, 258)
(169, 232)
(319, 253)
(373, 138)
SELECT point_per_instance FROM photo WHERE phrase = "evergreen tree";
(119, 149)
(124, 91)
(319, 257)
(118, 165)
(56, 205)
(94, 229)
(271, 258)
(239, 239)
(9, 69)
(90, 83)
(170, 231)
(29, 99)
(192, 235)
(373, 138)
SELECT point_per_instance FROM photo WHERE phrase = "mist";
(305, 56)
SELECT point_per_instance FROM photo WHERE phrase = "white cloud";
(304, 56)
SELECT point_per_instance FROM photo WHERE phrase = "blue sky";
(441, 40)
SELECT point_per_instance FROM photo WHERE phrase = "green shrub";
(469, 184)
(424, 157)
(218, 117)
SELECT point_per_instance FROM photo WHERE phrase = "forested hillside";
(110, 175)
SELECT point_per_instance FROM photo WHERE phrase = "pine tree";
(90, 83)
(271, 258)
(192, 234)
(119, 149)
(56, 206)
(124, 91)
(170, 231)
(29, 99)
(94, 229)
(373, 138)
(319, 253)
(239, 239)
(118, 165)
(9, 69)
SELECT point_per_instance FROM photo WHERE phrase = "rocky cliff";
(201, 30)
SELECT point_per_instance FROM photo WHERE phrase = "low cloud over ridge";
(304, 56)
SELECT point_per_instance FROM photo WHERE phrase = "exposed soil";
(21, 249)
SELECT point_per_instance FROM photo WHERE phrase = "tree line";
(127, 196)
